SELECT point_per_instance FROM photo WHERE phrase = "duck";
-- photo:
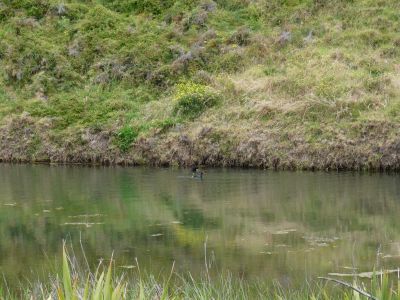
(196, 172)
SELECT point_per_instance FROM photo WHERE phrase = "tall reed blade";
(67, 284)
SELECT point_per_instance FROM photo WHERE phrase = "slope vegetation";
(287, 84)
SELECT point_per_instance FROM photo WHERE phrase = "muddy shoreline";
(325, 160)
(371, 146)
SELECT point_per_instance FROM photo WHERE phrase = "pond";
(255, 224)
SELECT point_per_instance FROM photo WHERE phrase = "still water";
(255, 224)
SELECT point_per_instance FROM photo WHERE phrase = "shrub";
(125, 137)
(192, 99)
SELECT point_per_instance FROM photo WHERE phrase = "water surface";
(257, 224)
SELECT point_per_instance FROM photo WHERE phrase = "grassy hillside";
(268, 83)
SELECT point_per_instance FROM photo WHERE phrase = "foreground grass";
(104, 284)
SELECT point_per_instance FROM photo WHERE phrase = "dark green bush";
(125, 137)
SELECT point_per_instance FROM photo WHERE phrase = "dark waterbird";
(196, 172)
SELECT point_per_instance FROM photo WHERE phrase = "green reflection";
(270, 225)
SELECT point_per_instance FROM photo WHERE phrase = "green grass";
(75, 282)
(261, 65)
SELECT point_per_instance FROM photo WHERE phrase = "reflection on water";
(258, 224)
